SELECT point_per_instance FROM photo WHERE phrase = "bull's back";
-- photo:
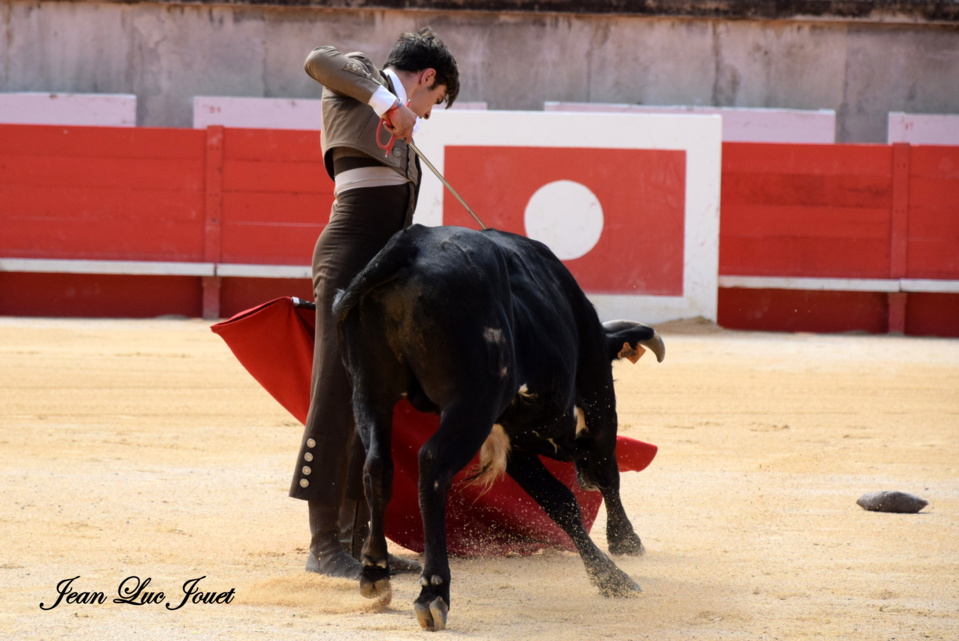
(438, 259)
(439, 299)
(442, 289)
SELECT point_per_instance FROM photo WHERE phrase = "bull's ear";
(631, 352)
(626, 339)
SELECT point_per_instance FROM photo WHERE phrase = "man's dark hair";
(421, 50)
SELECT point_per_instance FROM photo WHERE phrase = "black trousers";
(330, 463)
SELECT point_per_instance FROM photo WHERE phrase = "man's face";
(425, 95)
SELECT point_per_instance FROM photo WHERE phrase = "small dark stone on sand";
(892, 501)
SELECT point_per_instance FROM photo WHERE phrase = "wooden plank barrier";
(830, 238)
(145, 222)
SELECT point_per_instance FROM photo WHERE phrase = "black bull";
(491, 330)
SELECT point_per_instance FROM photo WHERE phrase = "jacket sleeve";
(351, 75)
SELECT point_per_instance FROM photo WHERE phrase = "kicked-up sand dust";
(139, 455)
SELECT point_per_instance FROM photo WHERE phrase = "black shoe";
(399, 565)
(327, 555)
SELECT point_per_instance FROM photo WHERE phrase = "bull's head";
(627, 339)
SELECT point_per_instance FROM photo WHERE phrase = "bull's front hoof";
(611, 581)
(618, 586)
(375, 584)
(432, 617)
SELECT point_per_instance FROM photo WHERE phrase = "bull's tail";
(386, 266)
(492, 460)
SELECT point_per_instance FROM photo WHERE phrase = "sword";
(448, 186)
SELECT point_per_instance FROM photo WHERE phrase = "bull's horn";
(657, 346)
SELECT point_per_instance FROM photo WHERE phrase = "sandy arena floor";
(143, 449)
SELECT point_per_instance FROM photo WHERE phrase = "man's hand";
(400, 122)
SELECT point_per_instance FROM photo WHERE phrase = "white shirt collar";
(400, 92)
(398, 87)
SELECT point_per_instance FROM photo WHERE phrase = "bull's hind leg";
(463, 428)
(374, 422)
(560, 504)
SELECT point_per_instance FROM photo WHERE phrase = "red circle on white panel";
(566, 216)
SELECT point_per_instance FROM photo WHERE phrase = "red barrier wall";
(276, 196)
(805, 210)
(839, 212)
(261, 197)
(275, 201)
(102, 193)
(176, 195)
(850, 211)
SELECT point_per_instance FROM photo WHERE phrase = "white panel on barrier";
(123, 267)
(73, 109)
(256, 113)
(558, 139)
(812, 284)
(923, 129)
(270, 113)
(740, 124)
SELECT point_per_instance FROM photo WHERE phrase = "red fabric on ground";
(274, 342)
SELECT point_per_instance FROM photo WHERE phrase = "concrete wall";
(168, 53)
